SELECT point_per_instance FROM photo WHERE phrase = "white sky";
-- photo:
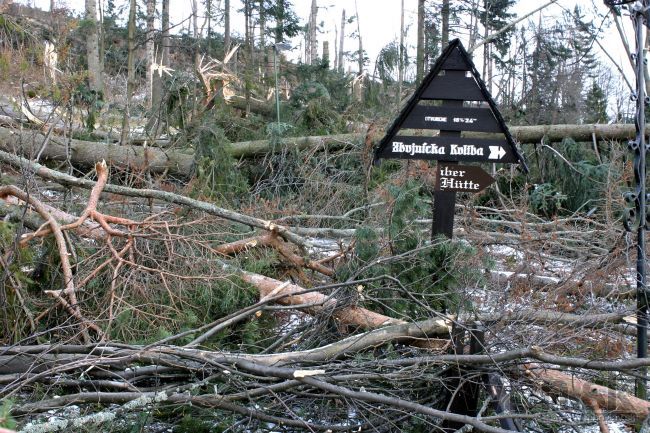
(380, 22)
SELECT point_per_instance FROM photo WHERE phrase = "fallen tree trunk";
(180, 163)
(595, 396)
(86, 153)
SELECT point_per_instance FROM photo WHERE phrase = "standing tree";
(361, 57)
(95, 73)
(286, 21)
(419, 62)
(226, 26)
(494, 17)
(150, 49)
(312, 32)
(130, 80)
(400, 78)
(157, 79)
(445, 22)
(596, 105)
(341, 43)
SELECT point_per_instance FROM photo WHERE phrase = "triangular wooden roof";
(454, 57)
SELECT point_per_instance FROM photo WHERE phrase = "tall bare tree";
(95, 73)
(400, 78)
(313, 40)
(262, 12)
(360, 52)
(150, 49)
(342, 42)
(130, 80)
(419, 58)
(445, 23)
(226, 26)
(161, 58)
(195, 32)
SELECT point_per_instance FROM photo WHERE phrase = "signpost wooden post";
(452, 100)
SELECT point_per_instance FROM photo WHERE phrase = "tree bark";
(95, 74)
(360, 52)
(226, 24)
(419, 58)
(596, 396)
(150, 49)
(400, 77)
(445, 24)
(161, 59)
(313, 40)
(341, 43)
(326, 52)
(279, 22)
(262, 27)
(130, 81)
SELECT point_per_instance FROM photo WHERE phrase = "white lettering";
(464, 120)
(417, 149)
(466, 150)
(434, 119)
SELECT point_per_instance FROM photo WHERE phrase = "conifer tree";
(595, 105)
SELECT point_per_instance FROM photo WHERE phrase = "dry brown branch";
(69, 288)
(618, 402)
(271, 240)
(352, 315)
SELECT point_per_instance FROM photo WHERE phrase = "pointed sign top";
(445, 81)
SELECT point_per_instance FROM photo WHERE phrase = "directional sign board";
(461, 178)
(452, 149)
(456, 120)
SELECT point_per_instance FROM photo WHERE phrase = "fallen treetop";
(30, 143)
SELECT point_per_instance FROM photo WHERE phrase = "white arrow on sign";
(497, 152)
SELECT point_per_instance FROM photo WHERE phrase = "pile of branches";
(237, 315)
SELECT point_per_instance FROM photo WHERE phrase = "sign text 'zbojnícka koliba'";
(446, 148)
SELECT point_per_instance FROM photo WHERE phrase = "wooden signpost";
(452, 118)
(454, 101)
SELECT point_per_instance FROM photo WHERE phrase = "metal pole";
(277, 93)
(638, 10)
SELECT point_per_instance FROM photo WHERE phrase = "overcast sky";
(379, 21)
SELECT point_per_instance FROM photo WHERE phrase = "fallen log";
(571, 286)
(49, 358)
(30, 143)
(181, 162)
(595, 396)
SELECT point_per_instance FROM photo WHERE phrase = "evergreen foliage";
(419, 276)
(218, 176)
(496, 15)
(596, 105)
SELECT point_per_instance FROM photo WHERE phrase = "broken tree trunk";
(180, 162)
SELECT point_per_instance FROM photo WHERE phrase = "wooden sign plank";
(451, 119)
(448, 148)
(461, 178)
(453, 85)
